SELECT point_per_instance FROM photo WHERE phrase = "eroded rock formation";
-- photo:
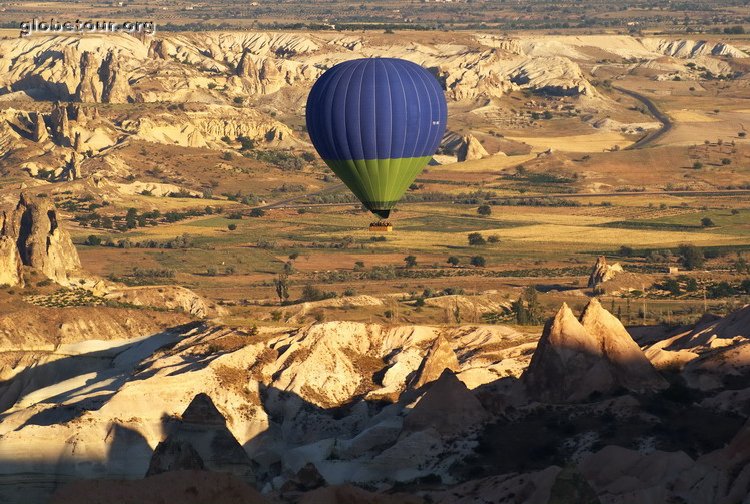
(90, 87)
(41, 242)
(470, 149)
(603, 272)
(11, 267)
(40, 128)
(440, 358)
(575, 358)
(248, 72)
(202, 440)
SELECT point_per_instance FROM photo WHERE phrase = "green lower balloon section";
(378, 183)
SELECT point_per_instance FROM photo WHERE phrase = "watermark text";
(52, 26)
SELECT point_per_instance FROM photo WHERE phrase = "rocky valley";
(193, 308)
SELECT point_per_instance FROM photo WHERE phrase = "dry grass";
(692, 116)
(595, 142)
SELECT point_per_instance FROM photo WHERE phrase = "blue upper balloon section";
(376, 108)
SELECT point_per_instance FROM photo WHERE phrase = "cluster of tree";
(179, 242)
(151, 273)
(281, 159)
(690, 256)
(245, 199)
(725, 289)
(476, 239)
(675, 286)
(476, 261)
(133, 219)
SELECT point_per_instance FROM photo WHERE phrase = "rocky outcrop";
(39, 133)
(448, 406)
(687, 48)
(11, 268)
(42, 244)
(172, 297)
(102, 82)
(206, 128)
(77, 142)
(270, 77)
(115, 87)
(89, 90)
(248, 72)
(624, 475)
(440, 357)
(160, 48)
(72, 169)
(59, 124)
(553, 75)
(603, 272)
(201, 440)
(575, 358)
(470, 149)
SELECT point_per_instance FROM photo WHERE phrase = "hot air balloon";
(376, 122)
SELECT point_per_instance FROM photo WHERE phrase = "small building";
(673, 270)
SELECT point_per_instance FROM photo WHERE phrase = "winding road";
(653, 136)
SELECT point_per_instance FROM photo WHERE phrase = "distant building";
(673, 270)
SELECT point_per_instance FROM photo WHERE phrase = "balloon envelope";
(376, 122)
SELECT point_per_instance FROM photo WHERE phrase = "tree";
(697, 165)
(672, 286)
(312, 293)
(282, 287)
(626, 251)
(476, 239)
(232, 226)
(454, 261)
(411, 261)
(484, 210)
(691, 256)
(257, 212)
(527, 309)
(493, 239)
(131, 218)
(478, 261)
(707, 222)
(93, 240)
(246, 143)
